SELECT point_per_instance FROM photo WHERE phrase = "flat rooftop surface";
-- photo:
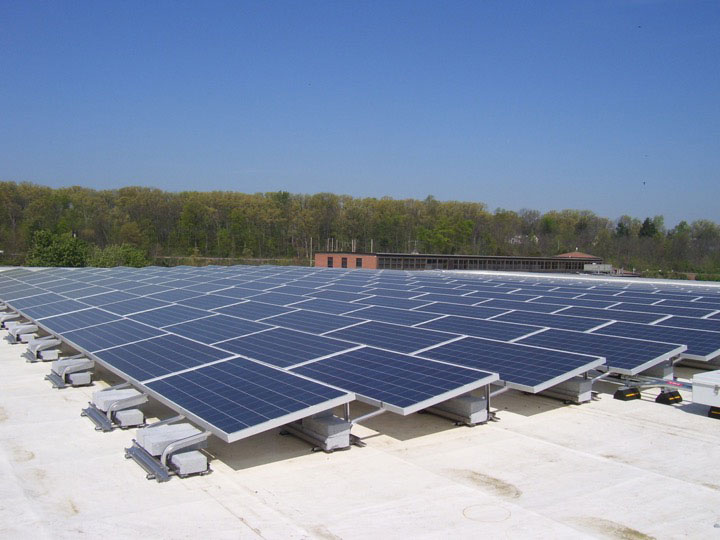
(605, 469)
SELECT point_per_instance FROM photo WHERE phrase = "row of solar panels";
(265, 325)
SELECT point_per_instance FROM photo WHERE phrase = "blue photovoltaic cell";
(146, 289)
(110, 334)
(611, 314)
(712, 325)
(391, 336)
(134, 305)
(168, 315)
(258, 286)
(216, 328)
(253, 310)
(205, 287)
(560, 302)
(338, 295)
(238, 394)
(503, 296)
(704, 304)
(311, 321)
(174, 295)
(502, 331)
(86, 291)
(343, 287)
(432, 297)
(239, 292)
(160, 356)
(477, 312)
(526, 368)
(392, 315)
(64, 286)
(108, 298)
(78, 319)
(623, 355)
(282, 347)
(699, 342)
(404, 382)
(562, 322)
(443, 290)
(393, 293)
(55, 308)
(664, 310)
(179, 283)
(293, 289)
(37, 300)
(400, 303)
(278, 299)
(537, 307)
(328, 306)
(209, 301)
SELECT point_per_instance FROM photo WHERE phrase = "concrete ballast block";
(192, 462)
(104, 398)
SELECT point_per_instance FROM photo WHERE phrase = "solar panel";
(86, 291)
(144, 290)
(205, 287)
(391, 336)
(477, 312)
(208, 301)
(165, 316)
(54, 308)
(397, 382)
(391, 315)
(312, 321)
(283, 348)
(523, 306)
(253, 311)
(394, 293)
(712, 325)
(502, 331)
(400, 303)
(159, 356)
(622, 355)
(135, 305)
(37, 300)
(107, 298)
(701, 345)
(110, 334)
(559, 302)
(560, 321)
(77, 320)
(529, 369)
(327, 306)
(278, 299)
(433, 297)
(338, 295)
(665, 310)
(239, 398)
(216, 328)
(611, 314)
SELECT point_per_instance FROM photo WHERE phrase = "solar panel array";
(399, 340)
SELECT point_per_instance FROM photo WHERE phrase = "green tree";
(50, 249)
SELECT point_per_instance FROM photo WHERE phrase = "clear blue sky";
(545, 105)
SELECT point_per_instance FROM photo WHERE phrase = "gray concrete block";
(326, 425)
(129, 417)
(156, 439)
(79, 379)
(104, 398)
(192, 462)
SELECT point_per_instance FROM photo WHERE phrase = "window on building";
(343, 262)
(358, 262)
(330, 262)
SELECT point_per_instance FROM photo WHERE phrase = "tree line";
(136, 225)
